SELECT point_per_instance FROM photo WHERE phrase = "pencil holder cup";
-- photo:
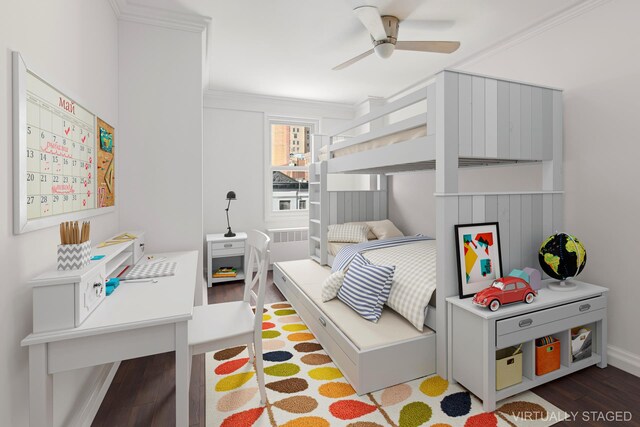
(74, 257)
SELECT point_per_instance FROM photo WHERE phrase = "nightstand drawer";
(228, 246)
(532, 320)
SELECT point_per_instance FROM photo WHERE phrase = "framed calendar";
(55, 154)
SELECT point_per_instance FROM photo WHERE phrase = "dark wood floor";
(143, 390)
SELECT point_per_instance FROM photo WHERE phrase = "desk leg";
(182, 375)
(40, 387)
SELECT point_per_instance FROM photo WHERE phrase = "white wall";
(593, 58)
(161, 135)
(600, 73)
(235, 146)
(81, 60)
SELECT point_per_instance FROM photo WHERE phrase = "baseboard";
(624, 360)
(90, 407)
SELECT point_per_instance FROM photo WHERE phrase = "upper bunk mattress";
(394, 138)
(392, 328)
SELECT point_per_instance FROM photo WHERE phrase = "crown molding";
(266, 103)
(535, 29)
(125, 10)
(539, 27)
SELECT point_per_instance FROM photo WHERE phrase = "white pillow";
(332, 285)
(384, 229)
(370, 235)
(348, 233)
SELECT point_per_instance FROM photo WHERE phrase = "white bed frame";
(472, 120)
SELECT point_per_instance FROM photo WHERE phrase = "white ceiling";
(288, 47)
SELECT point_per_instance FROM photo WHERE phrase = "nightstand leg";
(489, 371)
(489, 404)
(450, 344)
(601, 333)
(209, 272)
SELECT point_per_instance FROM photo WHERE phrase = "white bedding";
(394, 138)
(414, 281)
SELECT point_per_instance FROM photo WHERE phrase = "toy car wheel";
(494, 305)
(528, 298)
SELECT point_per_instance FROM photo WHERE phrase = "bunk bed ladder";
(318, 205)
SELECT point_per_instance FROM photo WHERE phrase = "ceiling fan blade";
(429, 46)
(370, 18)
(353, 60)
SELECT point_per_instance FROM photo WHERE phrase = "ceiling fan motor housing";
(384, 48)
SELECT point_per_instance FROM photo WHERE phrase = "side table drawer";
(237, 244)
(530, 326)
(532, 320)
(517, 337)
(224, 249)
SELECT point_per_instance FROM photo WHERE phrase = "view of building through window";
(290, 159)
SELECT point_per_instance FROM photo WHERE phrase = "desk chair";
(219, 326)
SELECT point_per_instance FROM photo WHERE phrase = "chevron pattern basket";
(74, 257)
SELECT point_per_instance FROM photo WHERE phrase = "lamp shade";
(231, 195)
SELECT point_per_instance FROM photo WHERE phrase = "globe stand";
(562, 286)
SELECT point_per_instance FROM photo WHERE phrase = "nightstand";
(476, 333)
(225, 252)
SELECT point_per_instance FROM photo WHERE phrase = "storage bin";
(580, 343)
(547, 357)
(508, 367)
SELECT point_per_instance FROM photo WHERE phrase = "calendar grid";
(60, 159)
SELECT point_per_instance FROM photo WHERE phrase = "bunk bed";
(470, 120)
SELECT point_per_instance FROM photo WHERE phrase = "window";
(510, 287)
(288, 189)
(284, 205)
(520, 285)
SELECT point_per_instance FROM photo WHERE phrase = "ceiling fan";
(384, 35)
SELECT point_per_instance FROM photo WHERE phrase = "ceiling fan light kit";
(384, 36)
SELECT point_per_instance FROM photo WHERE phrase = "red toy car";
(505, 291)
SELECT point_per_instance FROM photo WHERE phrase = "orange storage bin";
(547, 358)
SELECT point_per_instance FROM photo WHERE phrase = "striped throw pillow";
(366, 287)
(348, 233)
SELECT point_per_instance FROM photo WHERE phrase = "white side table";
(225, 252)
(475, 333)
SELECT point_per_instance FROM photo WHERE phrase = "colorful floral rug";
(305, 389)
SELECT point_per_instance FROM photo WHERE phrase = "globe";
(562, 256)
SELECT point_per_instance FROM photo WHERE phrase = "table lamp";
(231, 195)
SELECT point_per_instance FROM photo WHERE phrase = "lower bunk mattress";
(371, 356)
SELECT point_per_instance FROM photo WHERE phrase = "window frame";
(270, 120)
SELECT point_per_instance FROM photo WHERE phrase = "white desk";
(138, 319)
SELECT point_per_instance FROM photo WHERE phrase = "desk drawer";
(532, 320)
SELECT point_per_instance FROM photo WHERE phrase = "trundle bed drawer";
(413, 358)
(320, 326)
